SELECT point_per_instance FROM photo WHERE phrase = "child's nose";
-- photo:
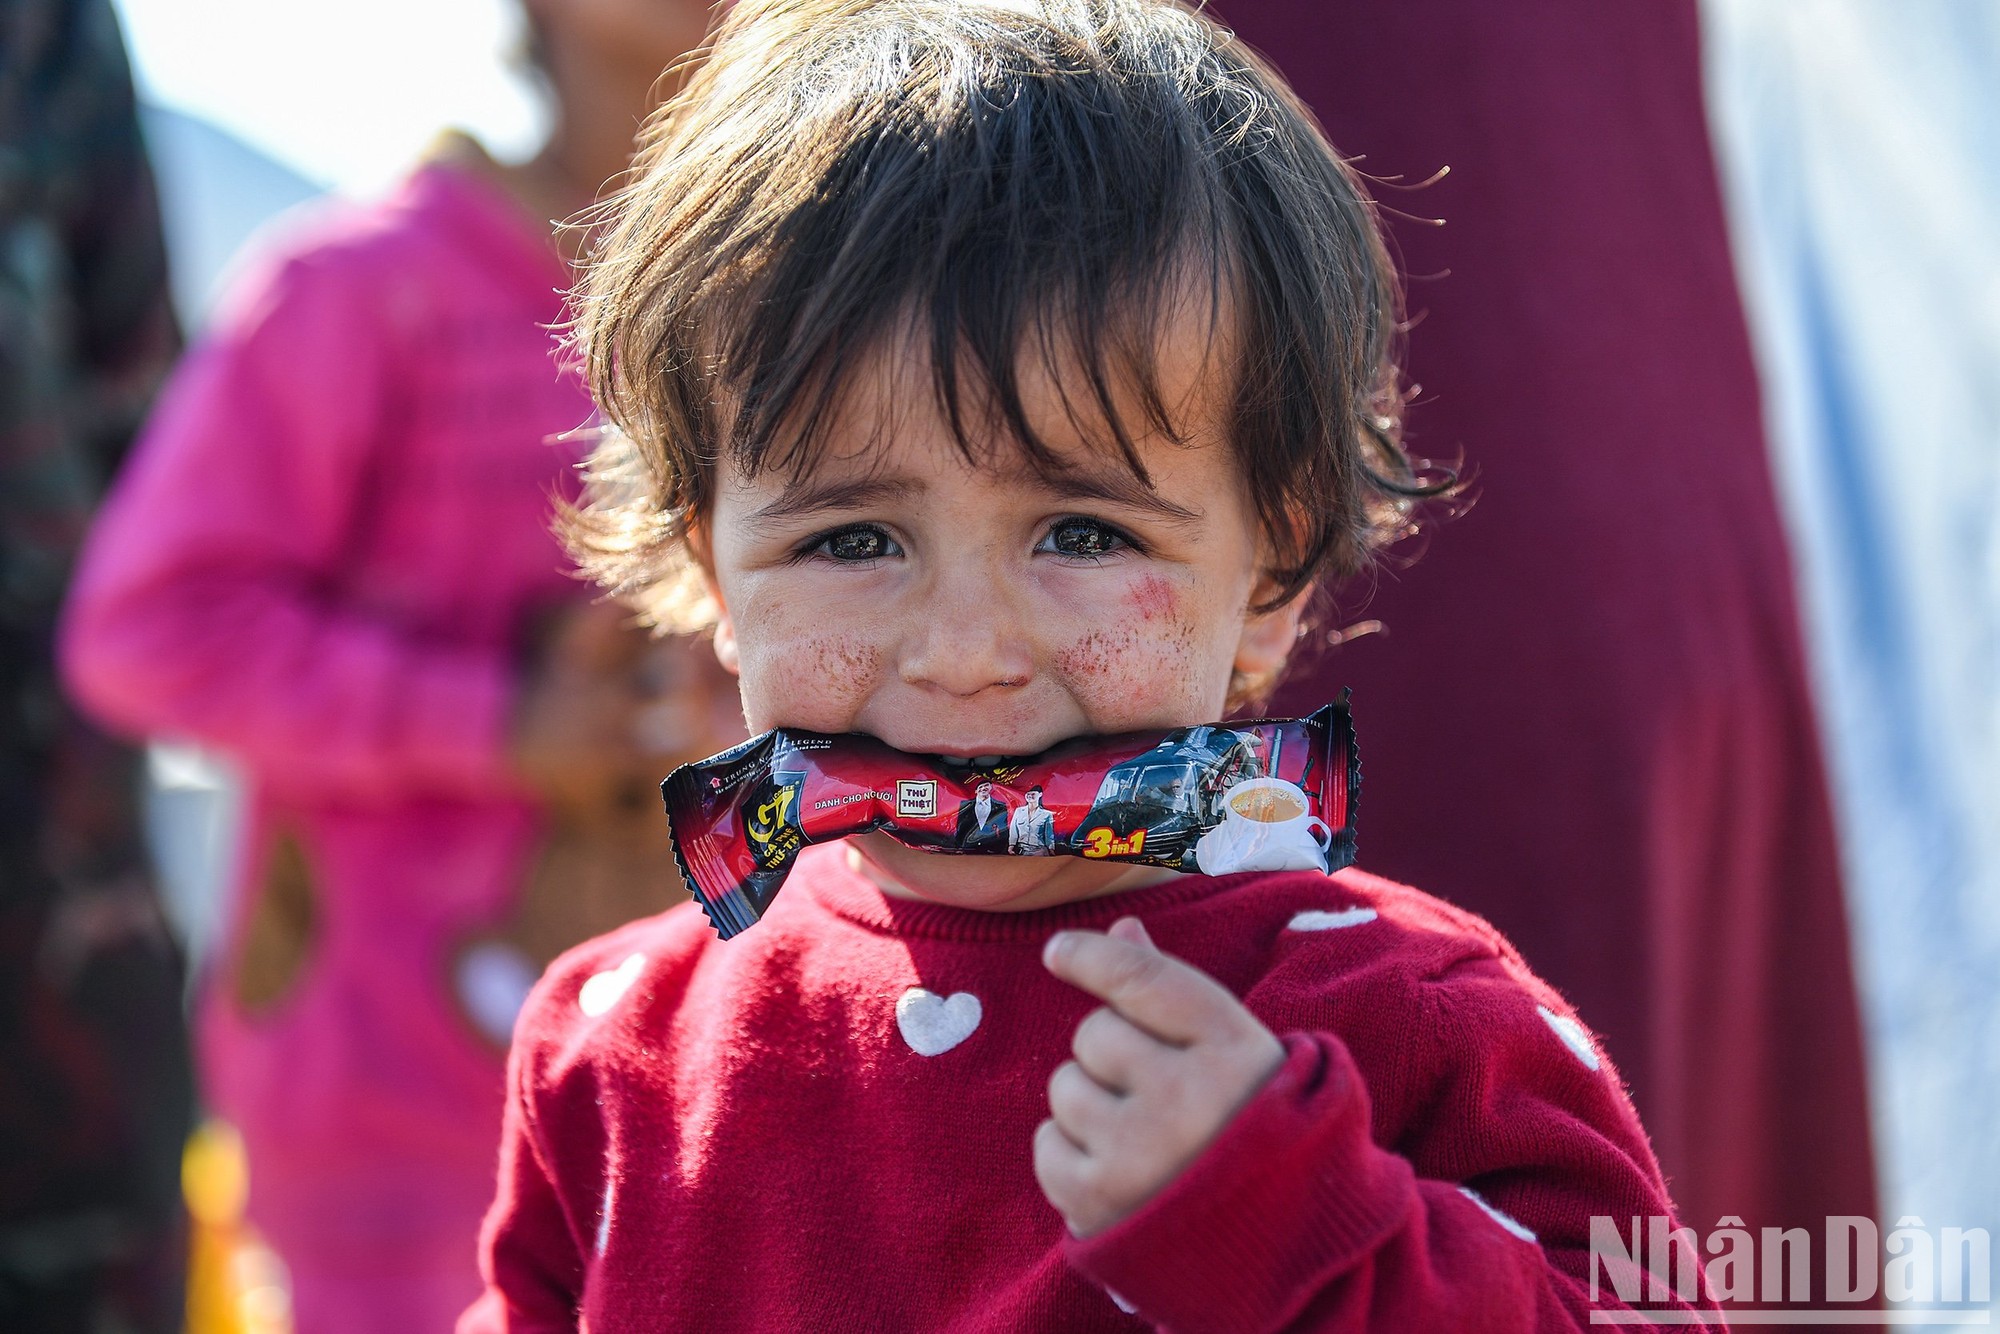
(968, 633)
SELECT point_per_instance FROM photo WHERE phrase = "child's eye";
(1083, 539)
(863, 542)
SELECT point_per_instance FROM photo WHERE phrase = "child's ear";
(725, 634)
(1269, 636)
(725, 627)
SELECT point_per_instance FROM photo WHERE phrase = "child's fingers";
(1114, 1051)
(1086, 1111)
(1157, 992)
(1061, 1168)
(1130, 928)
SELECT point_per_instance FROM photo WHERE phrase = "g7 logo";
(767, 819)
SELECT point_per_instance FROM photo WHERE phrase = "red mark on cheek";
(1152, 597)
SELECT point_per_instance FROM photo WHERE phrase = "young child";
(992, 374)
(330, 557)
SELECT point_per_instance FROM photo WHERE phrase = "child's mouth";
(964, 757)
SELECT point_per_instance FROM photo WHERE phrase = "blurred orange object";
(236, 1284)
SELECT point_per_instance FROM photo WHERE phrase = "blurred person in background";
(95, 1095)
(1589, 720)
(330, 558)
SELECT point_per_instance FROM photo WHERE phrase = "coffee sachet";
(1267, 795)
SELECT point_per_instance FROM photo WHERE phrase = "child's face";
(965, 610)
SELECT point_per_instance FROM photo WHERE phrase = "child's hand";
(1159, 1070)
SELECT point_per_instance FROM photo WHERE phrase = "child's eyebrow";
(812, 497)
(1118, 487)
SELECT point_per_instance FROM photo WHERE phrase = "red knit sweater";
(825, 1124)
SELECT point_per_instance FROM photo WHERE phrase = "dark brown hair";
(994, 177)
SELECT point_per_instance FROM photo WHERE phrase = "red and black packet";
(1272, 793)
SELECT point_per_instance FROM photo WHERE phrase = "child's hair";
(985, 177)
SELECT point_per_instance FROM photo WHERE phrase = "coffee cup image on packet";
(1266, 825)
(1268, 794)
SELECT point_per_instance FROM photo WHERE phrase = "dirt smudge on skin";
(843, 659)
(1138, 650)
(1095, 655)
(843, 669)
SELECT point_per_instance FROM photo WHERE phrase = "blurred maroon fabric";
(1589, 719)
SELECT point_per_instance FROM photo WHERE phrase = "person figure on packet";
(982, 822)
(1031, 831)
(330, 557)
(987, 375)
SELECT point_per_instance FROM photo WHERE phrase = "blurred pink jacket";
(320, 560)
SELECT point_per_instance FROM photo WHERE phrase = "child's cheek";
(817, 681)
(1144, 666)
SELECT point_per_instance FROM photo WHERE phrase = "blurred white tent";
(1860, 146)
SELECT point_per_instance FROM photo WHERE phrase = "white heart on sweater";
(1572, 1034)
(601, 992)
(1330, 921)
(934, 1024)
(1504, 1219)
